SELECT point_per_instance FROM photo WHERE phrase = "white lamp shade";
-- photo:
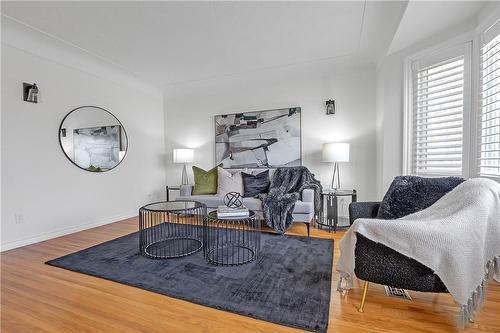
(335, 152)
(182, 155)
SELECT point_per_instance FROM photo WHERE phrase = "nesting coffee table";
(171, 229)
(231, 241)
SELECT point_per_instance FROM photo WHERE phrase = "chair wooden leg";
(363, 298)
(308, 225)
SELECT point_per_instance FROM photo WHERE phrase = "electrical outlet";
(18, 218)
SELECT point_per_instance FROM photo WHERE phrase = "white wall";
(190, 110)
(390, 92)
(39, 184)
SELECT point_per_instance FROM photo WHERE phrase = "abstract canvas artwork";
(259, 139)
(97, 147)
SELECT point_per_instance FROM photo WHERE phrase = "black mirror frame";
(73, 162)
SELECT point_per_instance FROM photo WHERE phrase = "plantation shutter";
(438, 114)
(489, 122)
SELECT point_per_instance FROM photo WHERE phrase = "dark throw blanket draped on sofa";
(285, 189)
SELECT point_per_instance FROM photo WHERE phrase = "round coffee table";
(231, 241)
(171, 229)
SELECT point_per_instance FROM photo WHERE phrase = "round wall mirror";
(93, 139)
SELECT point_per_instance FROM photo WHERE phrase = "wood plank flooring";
(39, 298)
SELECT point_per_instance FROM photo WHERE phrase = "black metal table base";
(330, 226)
(171, 229)
(233, 241)
(224, 255)
(173, 248)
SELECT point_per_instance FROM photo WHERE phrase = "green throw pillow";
(205, 182)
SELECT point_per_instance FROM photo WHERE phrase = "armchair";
(377, 263)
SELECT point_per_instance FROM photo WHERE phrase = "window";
(437, 104)
(489, 121)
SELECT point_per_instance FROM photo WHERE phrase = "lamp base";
(185, 179)
(335, 184)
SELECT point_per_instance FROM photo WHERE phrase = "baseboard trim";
(64, 231)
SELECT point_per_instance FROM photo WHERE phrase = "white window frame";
(465, 42)
(475, 121)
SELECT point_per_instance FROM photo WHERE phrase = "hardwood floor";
(39, 298)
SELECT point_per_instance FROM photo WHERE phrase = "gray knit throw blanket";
(285, 189)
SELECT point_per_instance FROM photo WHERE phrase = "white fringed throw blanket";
(458, 237)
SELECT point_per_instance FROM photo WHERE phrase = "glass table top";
(171, 206)
(338, 192)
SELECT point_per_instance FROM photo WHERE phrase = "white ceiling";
(172, 42)
(167, 43)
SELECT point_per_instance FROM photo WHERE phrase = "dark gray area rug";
(289, 284)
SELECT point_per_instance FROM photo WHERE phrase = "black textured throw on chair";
(286, 188)
(410, 194)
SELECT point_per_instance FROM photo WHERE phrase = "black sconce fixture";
(330, 106)
(30, 92)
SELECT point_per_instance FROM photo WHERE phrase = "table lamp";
(182, 155)
(335, 152)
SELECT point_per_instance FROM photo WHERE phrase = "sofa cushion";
(252, 204)
(410, 194)
(205, 182)
(228, 182)
(254, 185)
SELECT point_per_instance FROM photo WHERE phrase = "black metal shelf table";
(329, 200)
(231, 241)
(169, 188)
(171, 229)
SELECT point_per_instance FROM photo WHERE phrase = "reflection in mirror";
(93, 139)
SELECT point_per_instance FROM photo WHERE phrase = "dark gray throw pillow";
(410, 194)
(253, 185)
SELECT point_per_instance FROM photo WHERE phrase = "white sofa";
(303, 211)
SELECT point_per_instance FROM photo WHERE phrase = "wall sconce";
(330, 106)
(30, 92)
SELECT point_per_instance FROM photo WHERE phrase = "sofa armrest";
(186, 190)
(359, 210)
(308, 195)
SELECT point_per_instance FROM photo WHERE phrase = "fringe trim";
(345, 282)
(476, 301)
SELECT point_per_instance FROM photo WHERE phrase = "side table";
(171, 229)
(170, 188)
(231, 241)
(330, 200)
